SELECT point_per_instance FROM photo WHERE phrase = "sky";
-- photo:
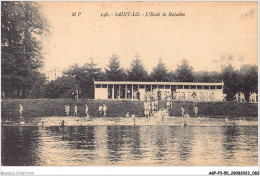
(207, 32)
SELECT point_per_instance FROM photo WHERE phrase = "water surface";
(129, 145)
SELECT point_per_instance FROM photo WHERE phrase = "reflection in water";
(19, 146)
(129, 145)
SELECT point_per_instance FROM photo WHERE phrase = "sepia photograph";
(145, 83)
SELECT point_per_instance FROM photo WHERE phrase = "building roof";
(160, 83)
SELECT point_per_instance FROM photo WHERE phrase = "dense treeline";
(80, 79)
(23, 27)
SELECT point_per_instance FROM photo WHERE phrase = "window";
(193, 87)
(186, 87)
(141, 86)
(219, 87)
(104, 85)
(98, 85)
(199, 87)
(161, 86)
(206, 87)
(167, 86)
(154, 87)
(180, 87)
(212, 87)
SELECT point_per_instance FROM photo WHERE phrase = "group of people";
(75, 113)
(185, 114)
(253, 97)
(240, 97)
(193, 95)
(102, 110)
(150, 104)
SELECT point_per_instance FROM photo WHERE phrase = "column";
(132, 91)
(119, 91)
(113, 92)
(126, 91)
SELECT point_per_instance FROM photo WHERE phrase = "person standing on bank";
(86, 110)
(20, 109)
(182, 112)
(138, 95)
(100, 109)
(76, 110)
(105, 110)
(196, 110)
(67, 109)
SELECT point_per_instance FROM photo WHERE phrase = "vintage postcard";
(129, 84)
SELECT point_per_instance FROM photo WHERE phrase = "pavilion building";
(130, 90)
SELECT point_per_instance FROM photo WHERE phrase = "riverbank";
(122, 121)
(119, 108)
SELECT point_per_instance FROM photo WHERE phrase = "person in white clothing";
(75, 110)
(105, 109)
(20, 109)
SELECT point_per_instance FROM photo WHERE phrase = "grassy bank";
(55, 107)
(217, 109)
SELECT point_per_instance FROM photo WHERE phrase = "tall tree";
(249, 79)
(137, 71)
(160, 72)
(22, 28)
(231, 80)
(184, 72)
(93, 73)
(114, 72)
(78, 73)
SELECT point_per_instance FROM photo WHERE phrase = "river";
(130, 145)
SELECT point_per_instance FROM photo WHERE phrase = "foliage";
(63, 87)
(137, 71)
(184, 72)
(160, 73)
(114, 72)
(22, 28)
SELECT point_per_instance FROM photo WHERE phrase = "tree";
(22, 28)
(114, 72)
(79, 74)
(38, 87)
(93, 73)
(249, 79)
(137, 71)
(231, 80)
(160, 72)
(62, 87)
(184, 72)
